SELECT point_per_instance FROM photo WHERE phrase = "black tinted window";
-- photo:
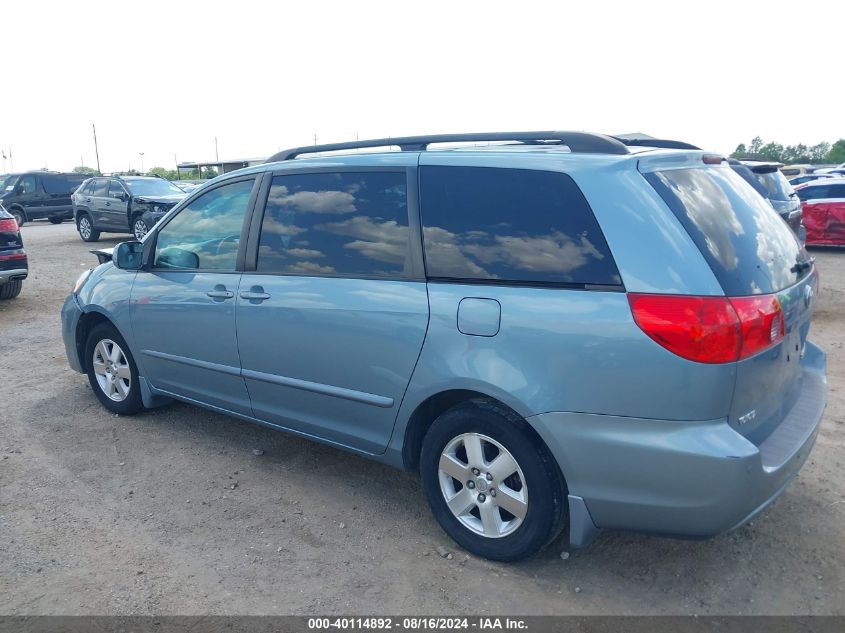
(749, 247)
(511, 225)
(344, 223)
(100, 185)
(837, 191)
(60, 183)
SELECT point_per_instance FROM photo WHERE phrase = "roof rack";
(663, 143)
(579, 142)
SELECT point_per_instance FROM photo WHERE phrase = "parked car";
(122, 204)
(560, 332)
(770, 182)
(40, 194)
(800, 180)
(187, 186)
(824, 211)
(14, 266)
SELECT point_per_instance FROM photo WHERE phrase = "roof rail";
(579, 142)
(664, 143)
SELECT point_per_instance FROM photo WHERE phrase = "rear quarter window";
(749, 247)
(511, 226)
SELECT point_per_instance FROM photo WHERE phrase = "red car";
(824, 211)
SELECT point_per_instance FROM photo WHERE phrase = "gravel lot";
(171, 512)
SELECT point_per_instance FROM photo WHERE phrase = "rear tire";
(491, 484)
(19, 216)
(112, 371)
(55, 220)
(86, 229)
(10, 289)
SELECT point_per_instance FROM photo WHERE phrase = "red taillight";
(12, 255)
(762, 323)
(9, 225)
(709, 329)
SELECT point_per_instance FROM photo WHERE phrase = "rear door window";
(750, 249)
(345, 224)
(511, 226)
(100, 186)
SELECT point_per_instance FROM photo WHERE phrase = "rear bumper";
(13, 274)
(689, 479)
(71, 313)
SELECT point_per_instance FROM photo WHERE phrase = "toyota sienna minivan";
(555, 330)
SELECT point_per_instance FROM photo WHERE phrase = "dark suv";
(122, 204)
(39, 194)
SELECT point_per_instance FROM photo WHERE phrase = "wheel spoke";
(502, 467)
(512, 502)
(124, 372)
(121, 388)
(99, 367)
(461, 502)
(102, 351)
(491, 520)
(116, 354)
(475, 454)
(454, 468)
(110, 388)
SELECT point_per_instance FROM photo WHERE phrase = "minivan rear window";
(749, 247)
(511, 226)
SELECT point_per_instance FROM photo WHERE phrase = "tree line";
(169, 174)
(821, 153)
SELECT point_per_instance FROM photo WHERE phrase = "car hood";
(162, 199)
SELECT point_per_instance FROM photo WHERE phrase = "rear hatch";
(12, 254)
(752, 254)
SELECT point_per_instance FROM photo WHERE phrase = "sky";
(167, 78)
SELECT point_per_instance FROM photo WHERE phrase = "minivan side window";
(511, 225)
(352, 224)
(206, 233)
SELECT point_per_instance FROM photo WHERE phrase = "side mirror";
(175, 257)
(129, 255)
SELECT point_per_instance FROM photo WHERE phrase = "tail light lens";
(710, 329)
(9, 225)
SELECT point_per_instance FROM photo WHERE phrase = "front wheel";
(55, 220)
(112, 371)
(491, 484)
(139, 228)
(86, 229)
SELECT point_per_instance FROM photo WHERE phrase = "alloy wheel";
(112, 371)
(483, 485)
(85, 227)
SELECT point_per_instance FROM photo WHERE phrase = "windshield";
(776, 185)
(153, 187)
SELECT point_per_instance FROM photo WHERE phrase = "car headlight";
(81, 281)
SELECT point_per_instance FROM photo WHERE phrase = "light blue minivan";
(554, 329)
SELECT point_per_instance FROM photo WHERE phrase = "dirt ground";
(170, 512)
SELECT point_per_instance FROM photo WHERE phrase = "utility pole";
(216, 155)
(96, 149)
(141, 154)
(11, 160)
(315, 138)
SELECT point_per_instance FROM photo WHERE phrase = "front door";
(332, 319)
(115, 206)
(183, 308)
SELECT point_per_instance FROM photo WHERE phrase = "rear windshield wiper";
(803, 265)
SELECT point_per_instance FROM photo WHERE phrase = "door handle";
(255, 294)
(220, 293)
(108, 204)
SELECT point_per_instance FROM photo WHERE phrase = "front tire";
(55, 220)
(112, 371)
(491, 484)
(139, 228)
(86, 228)
(10, 289)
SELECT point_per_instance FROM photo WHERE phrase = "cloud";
(382, 241)
(328, 202)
